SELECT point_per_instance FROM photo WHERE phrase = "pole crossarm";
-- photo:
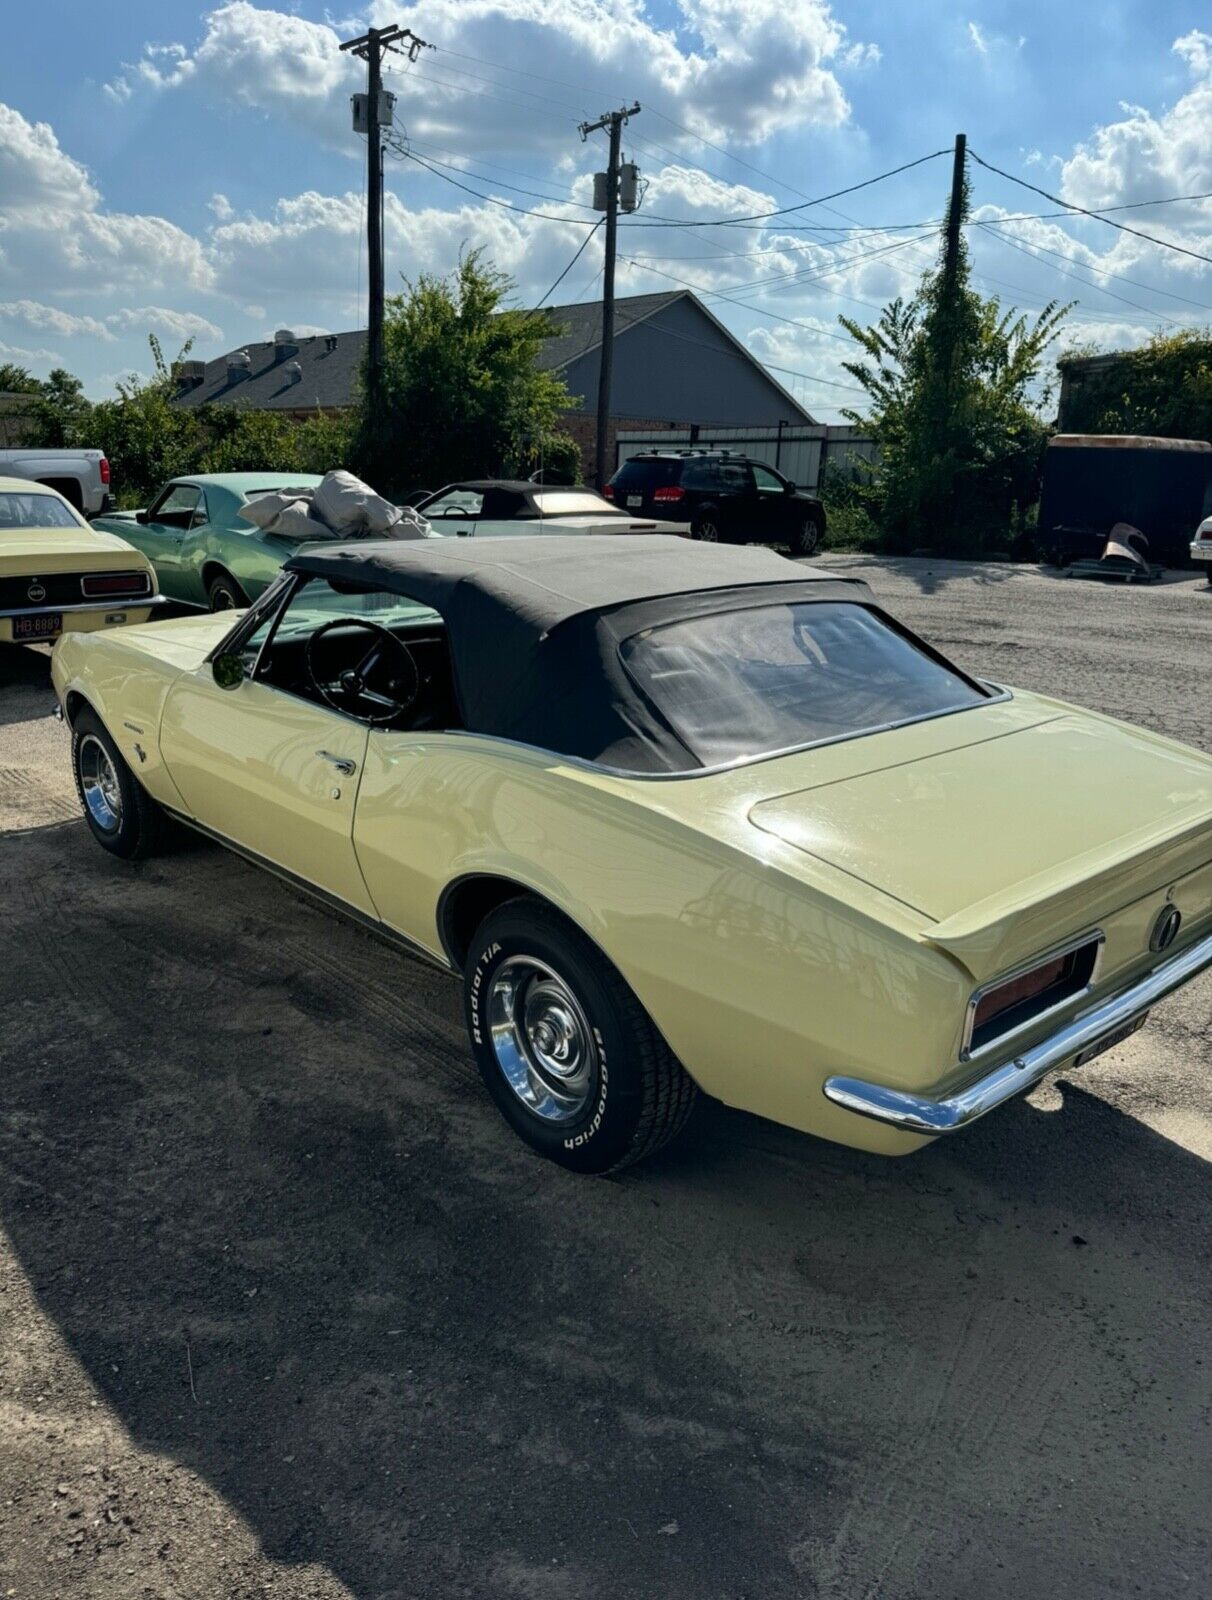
(608, 119)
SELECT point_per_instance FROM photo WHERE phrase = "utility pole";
(955, 209)
(373, 112)
(609, 202)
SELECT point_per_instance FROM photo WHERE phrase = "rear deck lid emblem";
(36, 592)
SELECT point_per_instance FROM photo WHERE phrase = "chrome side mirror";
(228, 670)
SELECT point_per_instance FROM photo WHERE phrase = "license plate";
(45, 626)
(1110, 1040)
(635, 499)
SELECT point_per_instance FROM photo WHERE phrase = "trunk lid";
(1005, 845)
(39, 551)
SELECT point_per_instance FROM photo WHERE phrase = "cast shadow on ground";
(25, 685)
(436, 1365)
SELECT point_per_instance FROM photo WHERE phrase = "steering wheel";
(389, 661)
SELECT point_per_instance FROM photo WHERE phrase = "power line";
(521, 211)
(1099, 216)
(1034, 246)
(580, 252)
(784, 211)
(1085, 282)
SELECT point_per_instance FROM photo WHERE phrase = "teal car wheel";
(223, 593)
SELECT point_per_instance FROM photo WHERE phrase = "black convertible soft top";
(534, 624)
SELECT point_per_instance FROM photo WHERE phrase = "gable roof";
(581, 325)
(331, 363)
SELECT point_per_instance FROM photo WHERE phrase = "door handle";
(342, 763)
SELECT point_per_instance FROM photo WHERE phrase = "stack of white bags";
(339, 507)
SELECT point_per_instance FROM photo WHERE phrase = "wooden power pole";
(370, 46)
(613, 121)
(955, 210)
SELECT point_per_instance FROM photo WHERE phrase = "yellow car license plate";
(45, 626)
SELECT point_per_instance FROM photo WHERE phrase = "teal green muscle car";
(204, 554)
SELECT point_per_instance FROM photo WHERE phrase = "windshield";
(569, 503)
(20, 510)
(742, 684)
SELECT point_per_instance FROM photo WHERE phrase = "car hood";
(1072, 811)
(43, 550)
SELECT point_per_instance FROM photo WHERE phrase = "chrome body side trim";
(333, 902)
(921, 1114)
(967, 1053)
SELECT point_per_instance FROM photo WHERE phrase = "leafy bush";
(461, 393)
(1163, 389)
(948, 375)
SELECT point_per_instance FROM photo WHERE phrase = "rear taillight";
(608, 492)
(668, 495)
(1003, 1007)
(103, 468)
(100, 584)
(1206, 533)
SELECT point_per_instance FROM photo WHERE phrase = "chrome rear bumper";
(1201, 550)
(919, 1114)
(138, 602)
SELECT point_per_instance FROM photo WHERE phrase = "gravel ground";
(285, 1311)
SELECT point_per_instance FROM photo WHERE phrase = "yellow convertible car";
(57, 575)
(680, 816)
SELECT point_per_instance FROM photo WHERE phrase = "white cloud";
(1144, 156)
(221, 207)
(55, 232)
(35, 174)
(748, 69)
(161, 319)
(36, 315)
(21, 354)
(979, 43)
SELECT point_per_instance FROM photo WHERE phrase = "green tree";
(948, 376)
(462, 394)
(59, 411)
(1163, 389)
(247, 441)
(146, 438)
(16, 380)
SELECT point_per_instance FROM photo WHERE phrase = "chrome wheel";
(542, 1040)
(99, 785)
(707, 532)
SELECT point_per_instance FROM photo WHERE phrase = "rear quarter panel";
(762, 981)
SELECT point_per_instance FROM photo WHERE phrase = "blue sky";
(190, 170)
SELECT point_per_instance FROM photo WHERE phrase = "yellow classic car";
(59, 576)
(680, 817)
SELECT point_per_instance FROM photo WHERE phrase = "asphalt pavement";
(286, 1311)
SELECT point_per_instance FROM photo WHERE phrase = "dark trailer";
(1163, 487)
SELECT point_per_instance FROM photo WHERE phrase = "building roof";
(329, 364)
(581, 325)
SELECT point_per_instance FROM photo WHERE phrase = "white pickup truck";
(80, 476)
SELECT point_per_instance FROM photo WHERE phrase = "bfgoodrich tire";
(122, 817)
(571, 1058)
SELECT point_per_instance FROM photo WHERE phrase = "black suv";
(724, 497)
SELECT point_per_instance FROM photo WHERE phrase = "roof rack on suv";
(690, 450)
